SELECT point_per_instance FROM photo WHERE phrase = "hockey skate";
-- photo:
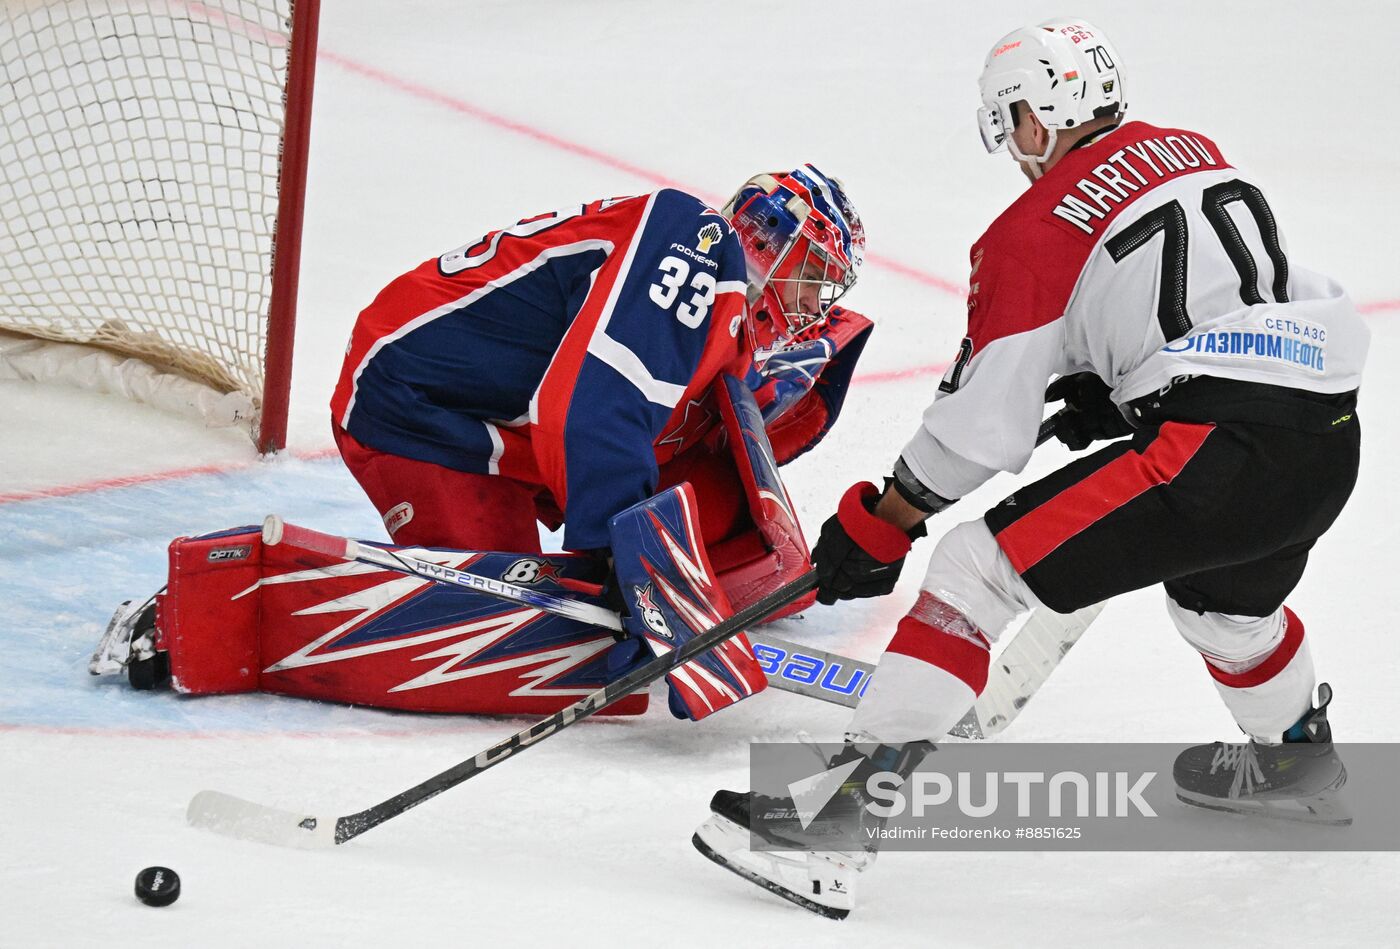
(1296, 780)
(129, 644)
(820, 881)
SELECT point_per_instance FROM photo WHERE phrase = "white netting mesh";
(138, 177)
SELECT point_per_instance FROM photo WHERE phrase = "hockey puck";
(157, 886)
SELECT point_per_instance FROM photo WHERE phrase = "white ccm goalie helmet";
(1065, 70)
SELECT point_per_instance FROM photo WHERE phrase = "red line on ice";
(426, 93)
(124, 481)
(462, 106)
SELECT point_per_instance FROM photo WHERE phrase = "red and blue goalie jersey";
(565, 352)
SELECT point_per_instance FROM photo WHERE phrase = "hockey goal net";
(151, 181)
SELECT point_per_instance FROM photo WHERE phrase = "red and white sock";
(931, 673)
(1271, 687)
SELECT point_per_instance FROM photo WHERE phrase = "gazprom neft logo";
(1021, 794)
(1293, 341)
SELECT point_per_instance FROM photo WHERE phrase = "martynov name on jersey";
(1126, 172)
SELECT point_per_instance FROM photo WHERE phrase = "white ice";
(436, 121)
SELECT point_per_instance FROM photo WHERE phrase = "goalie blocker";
(239, 615)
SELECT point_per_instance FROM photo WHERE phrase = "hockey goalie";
(633, 370)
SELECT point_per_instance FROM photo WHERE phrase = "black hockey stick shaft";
(353, 825)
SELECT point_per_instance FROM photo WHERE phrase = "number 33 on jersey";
(595, 325)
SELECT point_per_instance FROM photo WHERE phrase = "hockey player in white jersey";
(1150, 276)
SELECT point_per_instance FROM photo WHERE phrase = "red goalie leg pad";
(209, 616)
(241, 616)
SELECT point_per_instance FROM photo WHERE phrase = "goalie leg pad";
(240, 616)
(672, 595)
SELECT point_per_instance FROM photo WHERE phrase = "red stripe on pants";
(1278, 659)
(1030, 539)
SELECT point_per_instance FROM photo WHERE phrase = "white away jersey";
(1142, 257)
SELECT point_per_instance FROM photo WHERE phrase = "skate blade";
(726, 836)
(114, 648)
(1324, 809)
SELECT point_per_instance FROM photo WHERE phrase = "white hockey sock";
(1268, 692)
(931, 673)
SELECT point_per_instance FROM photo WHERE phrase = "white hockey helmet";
(1066, 70)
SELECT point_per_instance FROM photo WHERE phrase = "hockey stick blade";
(807, 670)
(234, 817)
(1020, 669)
(1017, 672)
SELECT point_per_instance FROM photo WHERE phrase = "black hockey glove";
(1089, 414)
(858, 554)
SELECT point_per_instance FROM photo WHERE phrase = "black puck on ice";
(157, 886)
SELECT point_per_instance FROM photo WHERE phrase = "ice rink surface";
(436, 121)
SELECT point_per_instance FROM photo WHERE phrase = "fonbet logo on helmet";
(1065, 71)
(803, 243)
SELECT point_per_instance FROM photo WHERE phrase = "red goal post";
(152, 185)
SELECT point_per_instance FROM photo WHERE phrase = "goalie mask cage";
(152, 175)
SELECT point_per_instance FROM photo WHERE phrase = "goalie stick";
(235, 817)
(1017, 672)
(277, 531)
(1020, 669)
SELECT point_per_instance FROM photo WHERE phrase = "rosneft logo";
(708, 237)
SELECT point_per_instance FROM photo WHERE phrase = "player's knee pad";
(1229, 642)
(969, 571)
(932, 671)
